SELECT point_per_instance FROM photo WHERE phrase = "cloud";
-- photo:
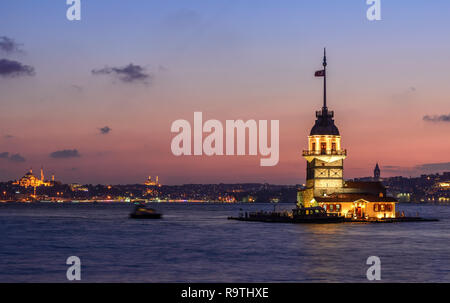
(64, 154)
(13, 157)
(437, 118)
(8, 45)
(8, 136)
(17, 158)
(392, 168)
(433, 167)
(10, 68)
(77, 88)
(127, 74)
(103, 153)
(408, 95)
(416, 170)
(105, 130)
(183, 19)
(162, 68)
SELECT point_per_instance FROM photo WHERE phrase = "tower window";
(314, 146)
(323, 147)
(333, 146)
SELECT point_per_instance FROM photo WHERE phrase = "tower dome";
(324, 124)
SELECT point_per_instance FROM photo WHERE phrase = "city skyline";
(94, 103)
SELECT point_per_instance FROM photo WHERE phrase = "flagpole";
(324, 79)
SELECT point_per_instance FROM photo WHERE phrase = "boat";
(299, 215)
(143, 212)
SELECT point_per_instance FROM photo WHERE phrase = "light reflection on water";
(195, 243)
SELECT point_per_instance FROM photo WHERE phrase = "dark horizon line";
(242, 183)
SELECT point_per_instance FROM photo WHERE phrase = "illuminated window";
(323, 147)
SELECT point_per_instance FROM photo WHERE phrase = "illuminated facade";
(444, 185)
(325, 185)
(29, 180)
(150, 182)
(325, 157)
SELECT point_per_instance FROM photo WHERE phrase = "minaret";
(324, 156)
(377, 173)
(42, 173)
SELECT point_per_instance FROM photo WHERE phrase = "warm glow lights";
(29, 180)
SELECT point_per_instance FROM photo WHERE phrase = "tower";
(324, 156)
(42, 174)
(377, 173)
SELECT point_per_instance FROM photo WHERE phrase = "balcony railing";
(319, 113)
(342, 152)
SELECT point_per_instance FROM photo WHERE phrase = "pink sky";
(229, 63)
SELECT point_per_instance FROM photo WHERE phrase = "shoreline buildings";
(325, 185)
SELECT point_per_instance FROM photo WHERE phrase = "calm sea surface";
(196, 243)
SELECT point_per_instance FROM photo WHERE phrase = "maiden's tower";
(325, 184)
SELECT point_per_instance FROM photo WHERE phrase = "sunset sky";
(76, 106)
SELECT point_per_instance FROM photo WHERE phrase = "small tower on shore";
(377, 173)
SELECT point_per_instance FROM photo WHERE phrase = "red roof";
(354, 197)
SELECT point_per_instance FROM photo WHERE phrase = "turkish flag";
(320, 73)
